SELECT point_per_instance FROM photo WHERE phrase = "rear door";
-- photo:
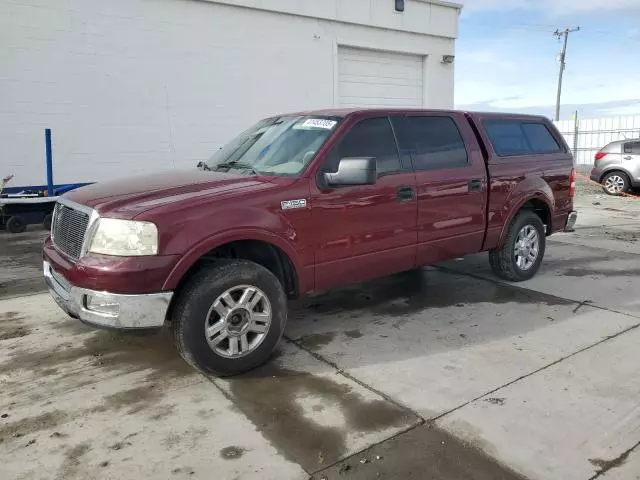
(365, 231)
(451, 182)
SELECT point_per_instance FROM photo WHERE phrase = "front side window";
(435, 143)
(276, 146)
(515, 137)
(372, 137)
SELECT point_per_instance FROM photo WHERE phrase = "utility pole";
(562, 33)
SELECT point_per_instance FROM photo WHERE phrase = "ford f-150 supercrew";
(299, 203)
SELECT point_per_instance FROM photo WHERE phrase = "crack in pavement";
(606, 465)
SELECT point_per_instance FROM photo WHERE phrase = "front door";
(365, 231)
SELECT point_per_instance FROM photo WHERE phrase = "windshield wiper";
(237, 165)
(203, 166)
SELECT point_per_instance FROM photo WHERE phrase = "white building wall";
(133, 86)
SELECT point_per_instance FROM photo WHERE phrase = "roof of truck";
(343, 112)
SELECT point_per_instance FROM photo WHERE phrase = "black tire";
(189, 314)
(503, 260)
(626, 183)
(16, 224)
(46, 221)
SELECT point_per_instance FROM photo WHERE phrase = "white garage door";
(369, 78)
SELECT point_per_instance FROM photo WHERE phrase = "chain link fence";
(587, 136)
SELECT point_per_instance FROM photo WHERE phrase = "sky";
(507, 56)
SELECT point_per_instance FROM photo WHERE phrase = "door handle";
(628, 157)
(475, 185)
(405, 194)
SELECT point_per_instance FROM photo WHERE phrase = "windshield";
(275, 146)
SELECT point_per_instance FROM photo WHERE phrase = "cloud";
(585, 110)
(632, 108)
(556, 6)
(634, 33)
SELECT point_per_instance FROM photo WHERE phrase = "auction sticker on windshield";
(316, 123)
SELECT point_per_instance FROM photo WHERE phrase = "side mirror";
(352, 171)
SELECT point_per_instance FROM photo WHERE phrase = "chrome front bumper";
(109, 310)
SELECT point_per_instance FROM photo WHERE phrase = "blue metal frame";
(49, 154)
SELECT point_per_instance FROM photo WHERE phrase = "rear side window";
(632, 148)
(435, 143)
(540, 138)
(372, 137)
(514, 138)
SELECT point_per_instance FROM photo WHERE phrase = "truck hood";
(129, 197)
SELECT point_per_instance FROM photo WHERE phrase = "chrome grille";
(68, 229)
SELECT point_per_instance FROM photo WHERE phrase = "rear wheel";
(229, 317)
(616, 183)
(16, 224)
(521, 255)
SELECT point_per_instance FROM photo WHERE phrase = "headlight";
(124, 238)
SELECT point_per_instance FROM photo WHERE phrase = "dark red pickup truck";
(305, 202)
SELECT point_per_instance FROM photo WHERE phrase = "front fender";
(214, 241)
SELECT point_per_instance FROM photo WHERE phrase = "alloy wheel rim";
(238, 321)
(527, 247)
(614, 184)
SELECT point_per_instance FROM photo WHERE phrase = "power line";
(563, 55)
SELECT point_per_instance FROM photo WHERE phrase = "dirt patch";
(12, 326)
(280, 412)
(316, 341)
(123, 352)
(15, 332)
(120, 445)
(353, 333)
(232, 452)
(171, 440)
(599, 272)
(162, 412)
(623, 236)
(72, 460)
(31, 425)
(135, 399)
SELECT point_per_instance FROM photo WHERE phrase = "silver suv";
(617, 167)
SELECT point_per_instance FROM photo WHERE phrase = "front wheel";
(521, 255)
(229, 317)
